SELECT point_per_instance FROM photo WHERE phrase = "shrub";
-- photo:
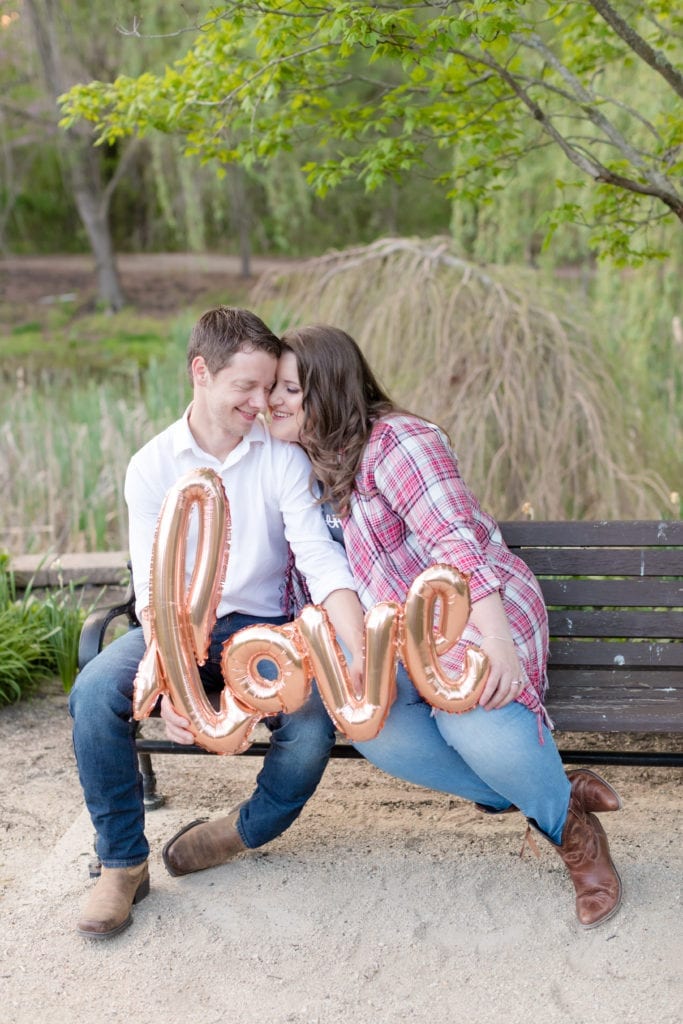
(38, 638)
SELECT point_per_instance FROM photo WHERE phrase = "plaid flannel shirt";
(411, 509)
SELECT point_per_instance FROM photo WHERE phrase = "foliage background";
(559, 374)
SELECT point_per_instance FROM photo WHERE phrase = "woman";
(391, 481)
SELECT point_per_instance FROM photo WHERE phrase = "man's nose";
(259, 399)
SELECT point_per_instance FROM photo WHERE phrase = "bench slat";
(660, 684)
(633, 533)
(603, 561)
(621, 716)
(632, 593)
(645, 654)
(640, 623)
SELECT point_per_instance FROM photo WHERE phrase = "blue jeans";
(104, 742)
(490, 757)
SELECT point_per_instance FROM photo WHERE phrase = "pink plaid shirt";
(411, 509)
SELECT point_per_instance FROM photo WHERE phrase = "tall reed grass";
(65, 443)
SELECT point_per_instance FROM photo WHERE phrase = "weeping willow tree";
(533, 410)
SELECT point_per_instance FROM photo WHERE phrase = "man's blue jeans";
(494, 758)
(104, 742)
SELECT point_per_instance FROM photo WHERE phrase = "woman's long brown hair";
(341, 401)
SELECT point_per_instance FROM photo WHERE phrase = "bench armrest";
(96, 624)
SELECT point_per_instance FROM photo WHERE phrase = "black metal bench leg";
(152, 799)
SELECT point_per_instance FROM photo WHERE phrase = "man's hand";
(356, 668)
(144, 619)
(177, 727)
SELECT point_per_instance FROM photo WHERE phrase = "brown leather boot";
(595, 794)
(203, 844)
(585, 852)
(108, 909)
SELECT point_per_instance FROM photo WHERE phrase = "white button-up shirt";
(270, 505)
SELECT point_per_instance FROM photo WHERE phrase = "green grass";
(97, 344)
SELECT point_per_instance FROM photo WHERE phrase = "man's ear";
(200, 371)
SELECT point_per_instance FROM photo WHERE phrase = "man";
(232, 362)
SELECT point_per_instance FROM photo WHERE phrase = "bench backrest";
(614, 592)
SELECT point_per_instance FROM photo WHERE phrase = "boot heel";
(142, 890)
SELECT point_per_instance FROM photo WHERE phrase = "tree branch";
(656, 60)
(587, 103)
(285, 59)
(121, 168)
(587, 162)
(27, 115)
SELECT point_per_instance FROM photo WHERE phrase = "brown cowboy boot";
(585, 852)
(203, 844)
(108, 909)
(595, 794)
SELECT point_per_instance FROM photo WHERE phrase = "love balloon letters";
(182, 618)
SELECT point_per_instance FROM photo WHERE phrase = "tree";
(82, 164)
(375, 90)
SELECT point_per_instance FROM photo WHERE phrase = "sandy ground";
(383, 903)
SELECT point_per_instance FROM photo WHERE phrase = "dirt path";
(154, 282)
(383, 903)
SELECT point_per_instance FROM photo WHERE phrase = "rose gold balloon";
(279, 644)
(181, 622)
(149, 682)
(360, 717)
(445, 587)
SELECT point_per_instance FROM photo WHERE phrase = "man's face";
(232, 398)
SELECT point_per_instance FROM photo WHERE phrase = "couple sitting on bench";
(392, 481)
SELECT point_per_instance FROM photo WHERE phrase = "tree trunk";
(241, 215)
(79, 159)
(96, 223)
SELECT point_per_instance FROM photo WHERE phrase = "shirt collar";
(184, 440)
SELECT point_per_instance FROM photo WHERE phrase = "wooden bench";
(614, 592)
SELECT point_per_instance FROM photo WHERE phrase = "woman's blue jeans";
(104, 743)
(494, 758)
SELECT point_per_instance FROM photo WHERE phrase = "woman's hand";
(176, 725)
(505, 681)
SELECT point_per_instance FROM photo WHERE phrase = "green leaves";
(372, 90)
(37, 640)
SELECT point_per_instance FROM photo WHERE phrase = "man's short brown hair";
(221, 332)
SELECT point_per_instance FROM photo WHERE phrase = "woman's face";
(286, 401)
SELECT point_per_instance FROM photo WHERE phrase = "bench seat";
(614, 592)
